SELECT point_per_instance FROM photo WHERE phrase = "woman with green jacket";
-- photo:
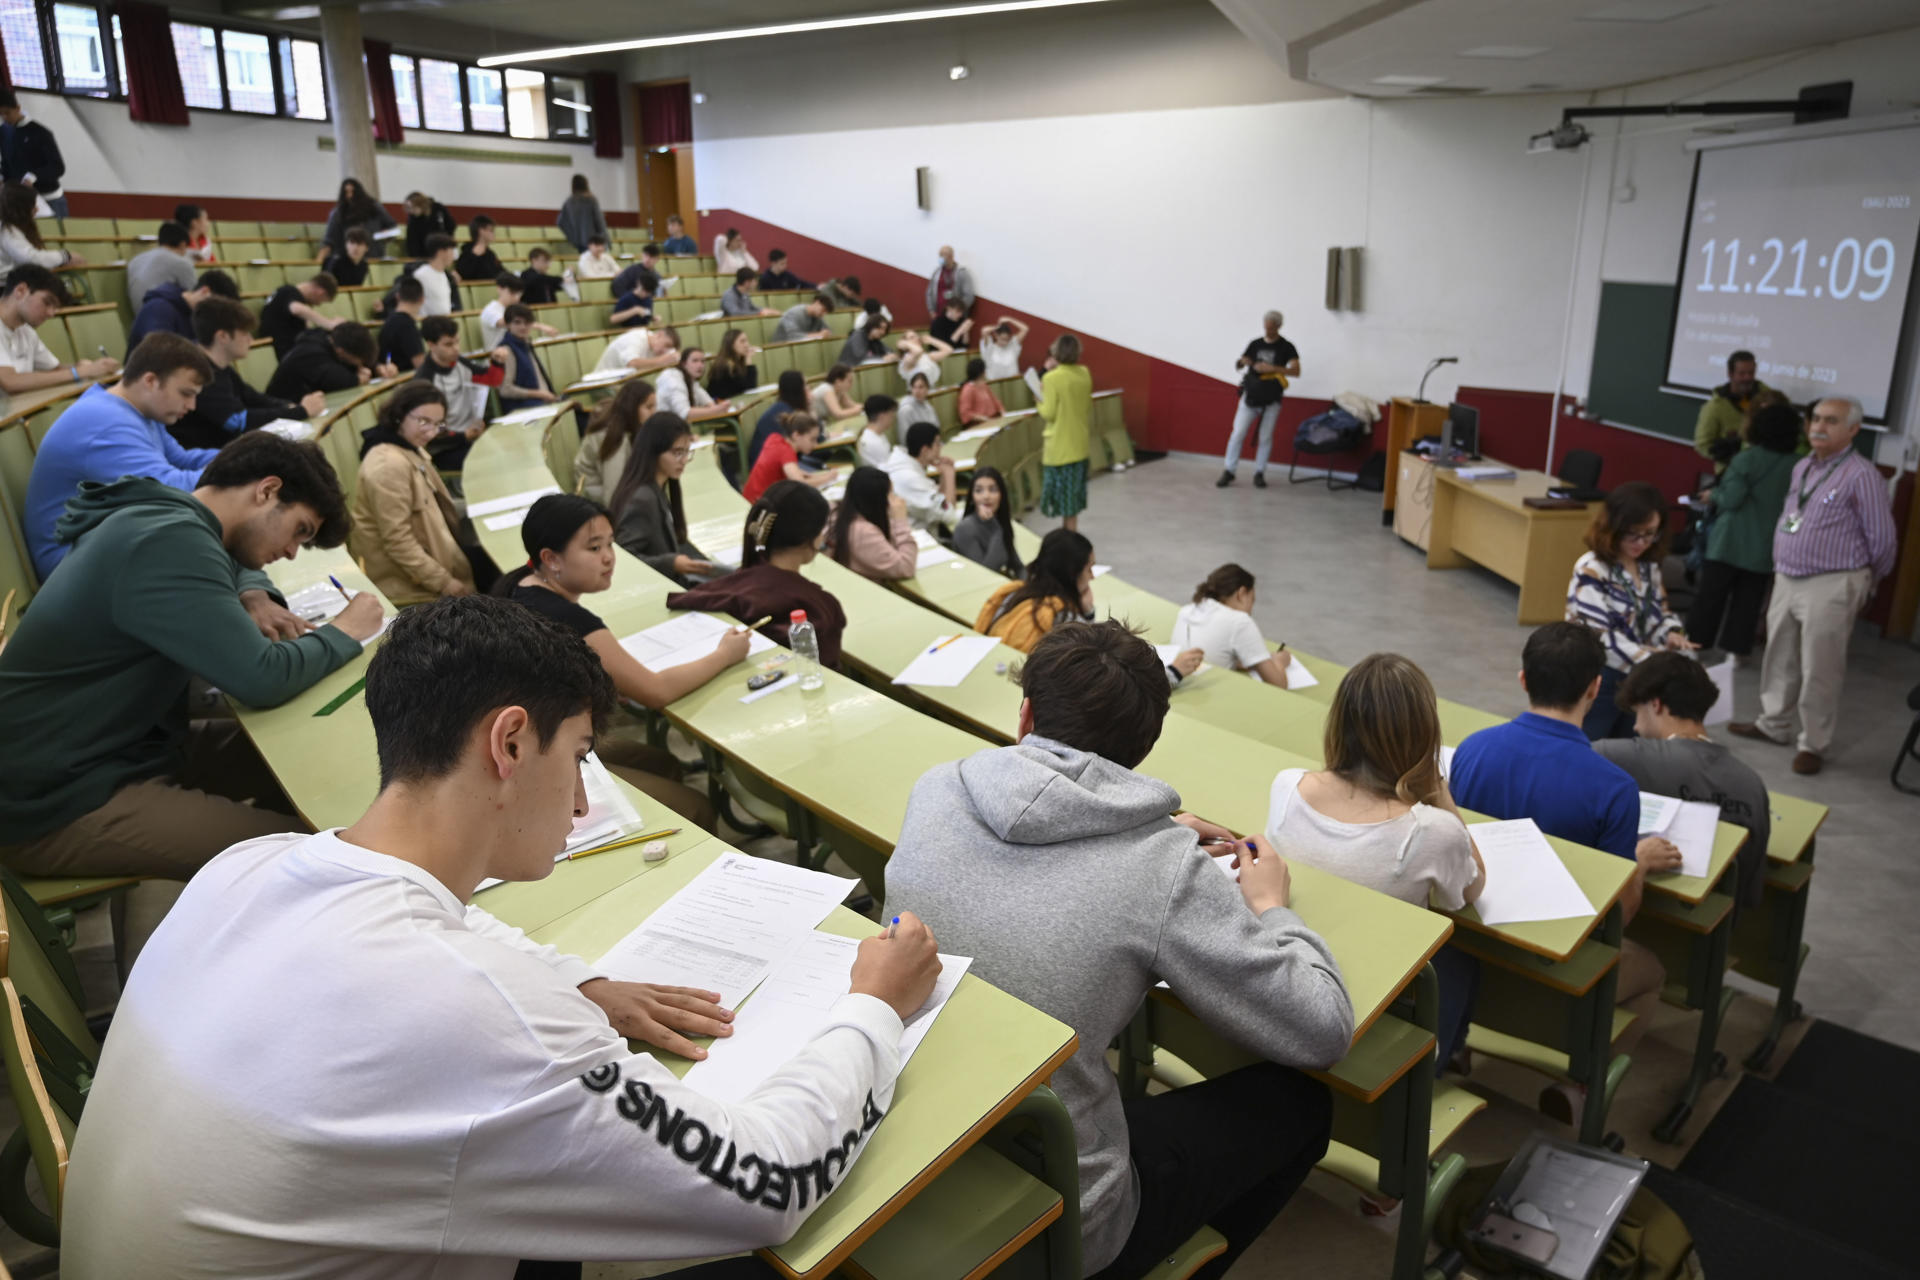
(1066, 406)
(1747, 504)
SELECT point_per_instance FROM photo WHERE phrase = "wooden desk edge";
(880, 1217)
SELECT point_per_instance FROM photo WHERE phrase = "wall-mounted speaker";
(923, 187)
(1343, 279)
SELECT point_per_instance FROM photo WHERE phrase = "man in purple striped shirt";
(1833, 542)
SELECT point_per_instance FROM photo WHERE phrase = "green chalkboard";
(1630, 361)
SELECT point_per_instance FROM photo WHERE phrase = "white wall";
(1470, 243)
(222, 154)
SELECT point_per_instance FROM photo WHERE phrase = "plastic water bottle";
(806, 649)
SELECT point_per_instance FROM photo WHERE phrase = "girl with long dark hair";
(649, 518)
(1058, 588)
(782, 536)
(985, 534)
(608, 439)
(871, 533)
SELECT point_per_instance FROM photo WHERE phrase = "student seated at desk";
(795, 434)
(569, 543)
(871, 533)
(169, 308)
(876, 438)
(738, 301)
(337, 359)
(29, 297)
(373, 1077)
(920, 356)
(539, 286)
(867, 342)
(916, 408)
(1058, 589)
(731, 372)
(832, 400)
(680, 390)
(647, 350)
(1000, 347)
(977, 401)
(102, 773)
(227, 405)
(523, 379)
(648, 517)
(1668, 696)
(400, 343)
(1059, 870)
(348, 266)
(678, 242)
(1220, 623)
(1617, 591)
(782, 536)
(790, 396)
(1379, 813)
(804, 321)
(929, 505)
(1539, 766)
(116, 431)
(406, 528)
(985, 533)
(608, 440)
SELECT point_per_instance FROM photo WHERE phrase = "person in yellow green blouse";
(1066, 406)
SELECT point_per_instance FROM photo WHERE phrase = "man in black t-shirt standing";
(1268, 362)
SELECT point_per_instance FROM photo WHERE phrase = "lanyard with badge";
(1799, 515)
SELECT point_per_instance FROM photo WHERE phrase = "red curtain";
(386, 105)
(666, 115)
(154, 95)
(603, 93)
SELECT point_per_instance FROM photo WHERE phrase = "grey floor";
(1333, 582)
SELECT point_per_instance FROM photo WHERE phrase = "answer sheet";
(1692, 830)
(1525, 878)
(792, 1008)
(728, 927)
(511, 502)
(321, 603)
(946, 661)
(683, 639)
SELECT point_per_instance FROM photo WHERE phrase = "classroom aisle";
(1336, 583)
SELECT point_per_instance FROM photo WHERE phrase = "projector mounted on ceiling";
(1816, 102)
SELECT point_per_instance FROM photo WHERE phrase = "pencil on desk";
(621, 844)
(755, 626)
(943, 644)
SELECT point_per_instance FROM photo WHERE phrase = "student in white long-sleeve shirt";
(1220, 623)
(930, 505)
(326, 1063)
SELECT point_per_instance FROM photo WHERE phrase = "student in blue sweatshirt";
(118, 431)
(678, 243)
(169, 309)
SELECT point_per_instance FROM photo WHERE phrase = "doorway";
(665, 131)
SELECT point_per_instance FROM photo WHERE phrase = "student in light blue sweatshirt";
(118, 431)
(1075, 886)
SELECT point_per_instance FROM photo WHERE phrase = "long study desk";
(1488, 522)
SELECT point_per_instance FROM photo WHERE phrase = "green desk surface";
(1795, 823)
(986, 1051)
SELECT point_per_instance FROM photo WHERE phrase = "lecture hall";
(1275, 716)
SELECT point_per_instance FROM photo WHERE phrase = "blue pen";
(344, 594)
(893, 926)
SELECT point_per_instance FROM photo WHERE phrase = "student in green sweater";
(102, 772)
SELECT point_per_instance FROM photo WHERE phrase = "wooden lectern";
(1407, 421)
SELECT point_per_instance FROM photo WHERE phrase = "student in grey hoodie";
(1075, 886)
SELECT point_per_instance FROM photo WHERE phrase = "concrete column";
(347, 83)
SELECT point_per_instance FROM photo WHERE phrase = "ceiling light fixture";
(1410, 82)
(959, 72)
(569, 102)
(780, 29)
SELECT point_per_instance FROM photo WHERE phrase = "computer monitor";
(1461, 436)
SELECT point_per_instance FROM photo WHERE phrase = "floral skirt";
(1063, 489)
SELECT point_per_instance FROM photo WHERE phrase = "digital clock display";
(1802, 252)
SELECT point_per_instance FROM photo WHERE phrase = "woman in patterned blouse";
(1618, 593)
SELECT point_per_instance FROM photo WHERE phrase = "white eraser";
(654, 850)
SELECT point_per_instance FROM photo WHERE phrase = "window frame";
(56, 77)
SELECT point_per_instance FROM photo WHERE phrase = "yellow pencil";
(943, 644)
(755, 626)
(621, 844)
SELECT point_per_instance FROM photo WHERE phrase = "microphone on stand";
(1438, 361)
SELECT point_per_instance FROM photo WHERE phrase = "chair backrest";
(49, 1133)
(1581, 468)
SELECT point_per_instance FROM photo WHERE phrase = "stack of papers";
(292, 429)
(533, 413)
(687, 638)
(321, 603)
(1484, 473)
(600, 377)
(1525, 878)
(946, 662)
(792, 1008)
(1689, 824)
(610, 813)
(727, 929)
(511, 502)
(975, 433)
(929, 549)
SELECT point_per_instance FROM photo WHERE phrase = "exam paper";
(1446, 762)
(292, 429)
(1298, 677)
(728, 927)
(792, 1008)
(1692, 829)
(533, 413)
(1722, 709)
(507, 520)
(947, 661)
(686, 638)
(321, 603)
(1656, 813)
(975, 433)
(610, 813)
(511, 502)
(1525, 878)
(1102, 570)
(601, 376)
(936, 554)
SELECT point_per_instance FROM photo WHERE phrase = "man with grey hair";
(1833, 543)
(950, 282)
(1268, 362)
